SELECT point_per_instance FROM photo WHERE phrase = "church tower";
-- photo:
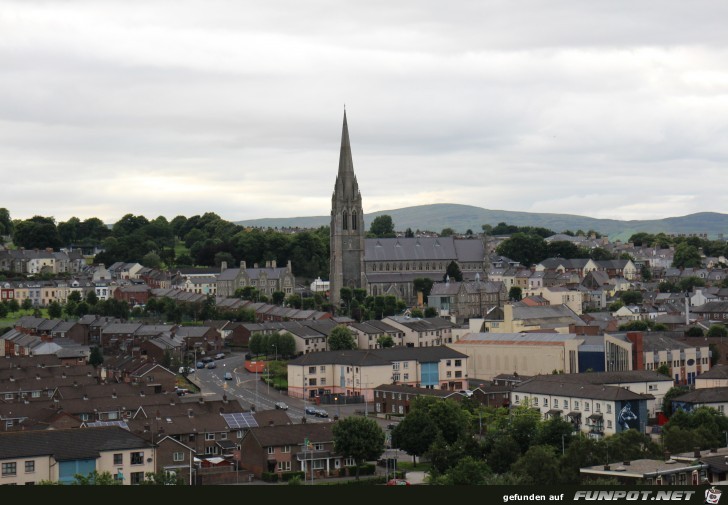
(347, 227)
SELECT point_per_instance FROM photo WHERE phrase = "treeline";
(468, 444)
(208, 241)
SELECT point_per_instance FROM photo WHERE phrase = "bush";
(285, 477)
(269, 477)
(367, 469)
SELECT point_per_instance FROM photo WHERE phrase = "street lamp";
(338, 407)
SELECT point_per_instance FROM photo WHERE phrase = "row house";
(124, 271)
(154, 278)
(357, 372)
(267, 280)
(368, 334)
(422, 332)
(596, 410)
(17, 343)
(59, 455)
(133, 294)
(36, 261)
(307, 448)
(712, 311)
(395, 399)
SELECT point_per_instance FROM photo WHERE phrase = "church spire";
(346, 165)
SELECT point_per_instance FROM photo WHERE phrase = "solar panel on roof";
(240, 420)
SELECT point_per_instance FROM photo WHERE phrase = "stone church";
(387, 266)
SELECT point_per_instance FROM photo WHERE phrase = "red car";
(398, 482)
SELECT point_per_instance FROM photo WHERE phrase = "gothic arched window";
(345, 220)
(353, 220)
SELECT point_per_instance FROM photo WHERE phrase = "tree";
(55, 310)
(360, 438)
(415, 433)
(74, 296)
(467, 472)
(13, 305)
(664, 370)
(385, 341)
(286, 344)
(430, 312)
(686, 256)
(278, 297)
(408, 233)
(672, 393)
(37, 232)
(95, 358)
(631, 297)
(515, 294)
(92, 298)
(382, 226)
(562, 249)
(3, 310)
(95, 478)
(423, 285)
(539, 464)
(524, 248)
(6, 224)
(151, 260)
(341, 338)
(646, 273)
(453, 272)
(447, 232)
(717, 330)
(27, 304)
(695, 331)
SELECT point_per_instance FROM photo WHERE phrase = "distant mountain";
(460, 218)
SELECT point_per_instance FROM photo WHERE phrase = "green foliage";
(360, 438)
(447, 232)
(162, 479)
(524, 248)
(515, 294)
(717, 331)
(664, 370)
(382, 227)
(703, 427)
(423, 285)
(631, 297)
(672, 393)
(539, 465)
(341, 338)
(385, 341)
(95, 478)
(686, 256)
(635, 326)
(563, 249)
(453, 272)
(695, 331)
(95, 357)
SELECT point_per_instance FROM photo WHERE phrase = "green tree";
(278, 297)
(6, 224)
(13, 305)
(717, 331)
(95, 357)
(74, 296)
(524, 248)
(515, 294)
(686, 256)
(385, 341)
(151, 260)
(341, 338)
(562, 249)
(631, 297)
(27, 304)
(95, 478)
(467, 472)
(423, 285)
(360, 438)
(408, 233)
(695, 331)
(382, 226)
(92, 298)
(453, 272)
(504, 452)
(664, 370)
(37, 232)
(55, 310)
(540, 465)
(430, 312)
(415, 433)
(646, 273)
(447, 232)
(3, 312)
(286, 344)
(672, 393)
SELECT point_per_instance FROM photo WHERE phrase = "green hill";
(460, 218)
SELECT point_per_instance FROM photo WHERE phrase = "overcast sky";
(615, 109)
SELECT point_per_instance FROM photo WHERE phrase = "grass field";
(14, 316)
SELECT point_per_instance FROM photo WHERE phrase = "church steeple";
(347, 225)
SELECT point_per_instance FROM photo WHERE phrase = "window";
(576, 405)
(239, 434)
(406, 376)
(556, 404)
(518, 400)
(35, 394)
(545, 402)
(349, 462)
(609, 408)
(137, 477)
(311, 382)
(401, 409)
(395, 365)
(405, 364)
(223, 436)
(286, 448)
(209, 436)
(458, 373)
(137, 458)
(312, 369)
(609, 424)
(448, 374)
(535, 401)
(30, 466)
(458, 362)
(395, 377)
(322, 368)
(9, 469)
(271, 450)
(586, 407)
(394, 409)
(448, 363)
(323, 381)
(599, 407)
(178, 456)
(284, 466)
(118, 459)
(566, 404)
(8, 396)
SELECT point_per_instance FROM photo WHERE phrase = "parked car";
(321, 413)
(311, 410)
(207, 359)
(200, 364)
(228, 376)
(220, 355)
(211, 365)
(281, 406)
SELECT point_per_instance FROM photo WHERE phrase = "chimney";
(113, 393)
(63, 375)
(146, 428)
(273, 263)
(201, 401)
(607, 467)
(190, 413)
(696, 452)
(224, 399)
(37, 376)
(667, 455)
(223, 266)
(636, 337)
(85, 397)
(159, 415)
(255, 265)
(171, 400)
(713, 449)
(242, 265)
(75, 384)
(267, 264)
(141, 393)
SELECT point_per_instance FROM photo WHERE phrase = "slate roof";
(716, 372)
(601, 378)
(293, 434)
(70, 444)
(372, 357)
(487, 337)
(575, 390)
(704, 395)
